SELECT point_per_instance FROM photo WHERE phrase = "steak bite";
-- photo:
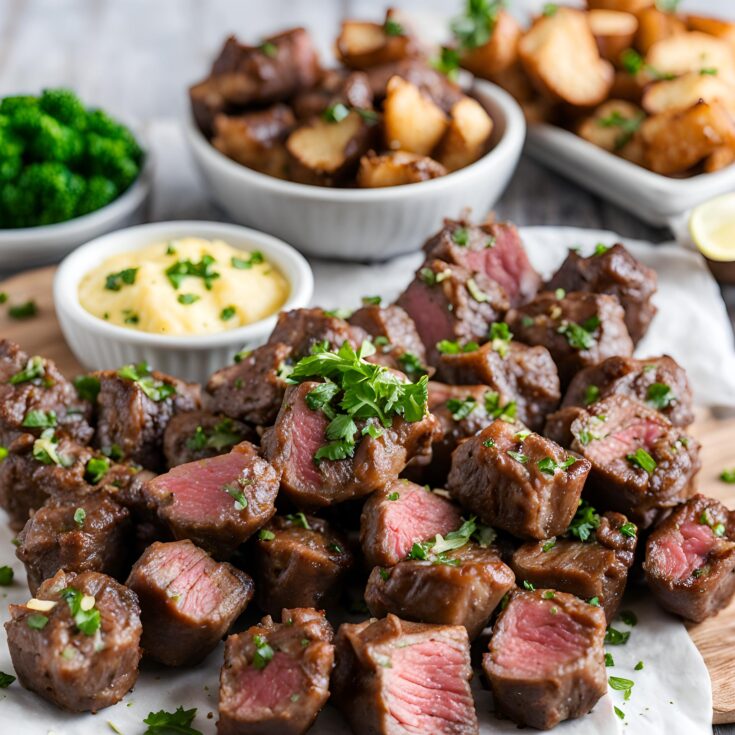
(690, 559)
(252, 389)
(397, 516)
(217, 503)
(34, 396)
(657, 381)
(518, 481)
(404, 678)
(456, 587)
(299, 561)
(197, 435)
(89, 534)
(546, 662)
(641, 464)
(612, 270)
(299, 446)
(77, 644)
(579, 329)
(520, 375)
(188, 601)
(302, 329)
(592, 563)
(492, 248)
(275, 676)
(134, 405)
(450, 303)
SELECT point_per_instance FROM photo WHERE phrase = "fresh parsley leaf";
(266, 535)
(335, 113)
(461, 236)
(298, 519)
(40, 419)
(619, 712)
(263, 652)
(185, 299)
(594, 601)
(88, 387)
(474, 28)
(585, 521)
(82, 607)
(591, 395)
(371, 300)
(45, 452)
(660, 396)
(642, 459)
(96, 469)
(156, 390)
(621, 685)
(115, 281)
(614, 637)
(23, 311)
(392, 27)
(171, 723)
(235, 491)
(255, 258)
(461, 408)
(550, 9)
(446, 347)
(728, 476)
(393, 496)
(79, 515)
(412, 365)
(517, 456)
(629, 529)
(548, 465)
(549, 544)
(500, 337)
(629, 618)
(578, 336)
(37, 621)
(609, 660)
(227, 313)
(601, 248)
(638, 666)
(528, 586)
(6, 576)
(447, 63)
(6, 680)
(494, 408)
(34, 370)
(203, 269)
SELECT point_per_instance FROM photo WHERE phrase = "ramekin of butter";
(182, 296)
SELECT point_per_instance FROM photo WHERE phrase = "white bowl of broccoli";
(67, 174)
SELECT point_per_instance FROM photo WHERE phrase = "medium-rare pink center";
(417, 515)
(425, 688)
(308, 434)
(428, 311)
(679, 553)
(270, 687)
(639, 435)
(537, 637)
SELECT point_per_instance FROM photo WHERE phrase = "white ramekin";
(99, 345)
(365, 224)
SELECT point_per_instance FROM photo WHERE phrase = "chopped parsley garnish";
(461, 236)
(188, 298)
(393, 496)
(88, 387)
(263, 652)
(435, 550)
(621, 685)
(115, 281)
(269, 49)
(708, 71)
(235, 491)
(364, 391)
(255, 258)
(517, 456)
(40, 419)
(339, 313)
(227, 313)
(6, 576)
(335, 113)
(527, 321)
(488, 443)
(476, 292)
(642, 459)
(170, 723)
(96, 469)
(430, 278)
(6, 680)
(447, 63)
(601, 248)
(550, 9)
(34, 370)
(580, 336)
(130, 317)
(140, 374)
(591, 395)
(82, 607)
(411, 365)
(384, 574)
(521, 436)
(560, 293)
(528, 586)
(203, 269)
(548, 465)
(633, 63)
(79, 515)
(594, 601)
(585, 521)
(23, 311)
(475, 27)
(638, 666)
(549, 544)
(37, 621)
(660, 396)
(114, 452)
(619, 712)
(446, 347)
(392, 27)
(298, 519)
(614, 637)
(461, 408)
(500, 337)
(266, 535)
(609, 660)
(728, 476)
(371, 300)
(494, 408)
(336, 548)
(3, 453)
(45, 450)
(628, 529)
(222, 436)
(548, 594)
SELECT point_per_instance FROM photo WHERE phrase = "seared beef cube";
(36, 468)
(399, 515)
(459, 587)
(188, 601)
(299, 432)
(546, 662)
(34, 395)
(558, 425)
(690, 559)
(134, 405)
(299, 561)
(399, 678)
(462, 411)
(87, 535)
(597, 569)
(395, 337)
(352, 89)
(251, 390)
(641, 464)
(616, 272)
(578, 329)
(219, 502)
(80, 650)
(197, 435)
(492, 248)
(451, 303)
(207, 101)
(302, 329)
(657, 381)
(520, 375)
(275, 677)
(517, 481)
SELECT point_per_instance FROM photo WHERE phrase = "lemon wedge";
(712, 227)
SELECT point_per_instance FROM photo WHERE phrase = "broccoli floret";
(98, 193)
(47, 193)
(11, 105)
(10, 167)
(108, 157)
(64, 106)
(101, 123)
(50, 140)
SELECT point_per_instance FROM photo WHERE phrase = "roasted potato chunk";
(685, 91)
(654, 26)
(325, 152)
(361, 45)
(560, 55)
(499, 52)
(624, 6)
(613, 126)
(467, 135)
(675, 141)
(256, 139)
(720, 158)
(614, 32)
(412, 122)
(713, 26)
(693, 51)
(397, 168)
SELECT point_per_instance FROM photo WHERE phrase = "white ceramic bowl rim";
(513, 125)
(130, 199)
(79, 262)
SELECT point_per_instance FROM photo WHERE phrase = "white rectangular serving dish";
(654, 198)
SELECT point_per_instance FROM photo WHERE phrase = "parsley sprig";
(435, 550)
(82, 607)
(585, 521)
(34, 370)
(222, 435)
(156, 390)
(475, 27)
(168, 723)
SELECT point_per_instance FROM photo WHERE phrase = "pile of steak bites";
(151, 512)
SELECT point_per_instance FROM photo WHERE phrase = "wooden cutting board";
(715, 638)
